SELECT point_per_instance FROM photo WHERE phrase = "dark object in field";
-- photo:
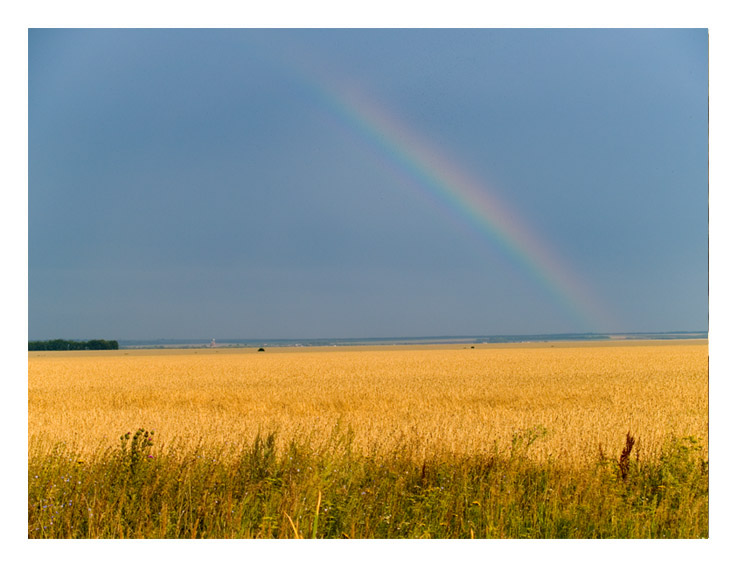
(624, 459)
(261, 349)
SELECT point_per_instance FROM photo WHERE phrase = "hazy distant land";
(461, 339)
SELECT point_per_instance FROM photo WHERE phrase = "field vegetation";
(539, 440)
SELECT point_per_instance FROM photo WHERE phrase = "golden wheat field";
(426, 399)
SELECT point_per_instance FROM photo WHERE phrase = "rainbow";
(456, 192)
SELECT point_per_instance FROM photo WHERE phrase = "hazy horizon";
(228, 340)
(327, 183)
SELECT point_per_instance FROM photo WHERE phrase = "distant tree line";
(63, 344)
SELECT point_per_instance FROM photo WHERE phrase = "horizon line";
(393, 337)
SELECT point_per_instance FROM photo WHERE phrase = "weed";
(624, 458)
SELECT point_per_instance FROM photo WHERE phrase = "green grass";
(332, 491)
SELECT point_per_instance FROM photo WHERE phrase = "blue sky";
(203, 183)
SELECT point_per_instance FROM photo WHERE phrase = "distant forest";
(63, 344)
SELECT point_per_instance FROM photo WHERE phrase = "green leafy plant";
(137, 449)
